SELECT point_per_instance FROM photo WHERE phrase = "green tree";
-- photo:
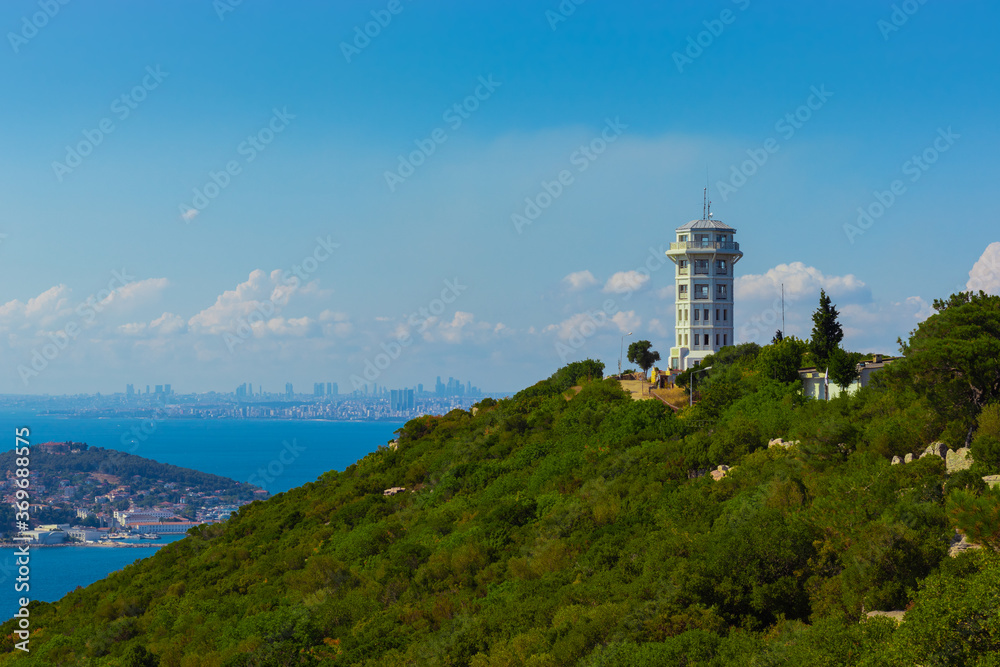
(138, 656)
(782, 360)
(953, 357)
(844, 367)
(826, 333)
(640, 353)
(977, 516)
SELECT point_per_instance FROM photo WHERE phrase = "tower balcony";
(706, 246)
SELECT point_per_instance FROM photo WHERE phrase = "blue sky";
(163, 98)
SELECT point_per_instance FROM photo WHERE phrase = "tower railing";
(705, 245)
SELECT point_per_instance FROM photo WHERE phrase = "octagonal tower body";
(704, 254)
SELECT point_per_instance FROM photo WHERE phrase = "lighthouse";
(704, 253)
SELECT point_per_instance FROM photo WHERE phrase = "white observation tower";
(703, 253)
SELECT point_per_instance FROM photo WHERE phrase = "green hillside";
(562, 528)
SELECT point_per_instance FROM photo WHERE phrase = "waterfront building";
(704, 253)
(166, 528)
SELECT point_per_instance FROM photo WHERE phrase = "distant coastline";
(100, 545)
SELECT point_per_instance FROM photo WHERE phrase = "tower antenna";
(782, 310)
(704, 205)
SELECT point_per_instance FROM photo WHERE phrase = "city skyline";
(189, 202)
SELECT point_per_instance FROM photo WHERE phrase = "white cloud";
(580, 279)
(587, 324)
(189, 214)
(626, 281)
(295, 326)
(136, 292)
(168, 323)
(800, 281)
(336, 323)
(260, 292)
(452, 332)
(658, 327)
(626, 321)
(985, 273)
(42, 310)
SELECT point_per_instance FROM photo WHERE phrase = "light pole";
(693, 373)
(620, 351)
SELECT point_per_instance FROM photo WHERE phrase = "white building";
(170, 527)
(815, 384)
(703, 253)
(85, 534)
(130, 516)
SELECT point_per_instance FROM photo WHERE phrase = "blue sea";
(274, 454)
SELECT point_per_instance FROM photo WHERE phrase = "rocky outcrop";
(960, 459)
(992, 480)
(896, 615)
(938, 449)
(778, 442)
(720, 472)
(959, 543)
(896, 460)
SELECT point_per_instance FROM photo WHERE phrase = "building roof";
(707, 224)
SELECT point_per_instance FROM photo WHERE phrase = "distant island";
(90, 492)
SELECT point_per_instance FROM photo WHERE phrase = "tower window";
(701, 291)
(725, 339)
(720, 267)
(717, 340)
(682, 291)
(706, 314)
(725, 314)
(697, 312)
(716, 314)
(701, 267)
(706, 340)
(720, 291)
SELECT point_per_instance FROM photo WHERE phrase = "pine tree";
(827, 332)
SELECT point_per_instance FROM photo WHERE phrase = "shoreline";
(112, 545)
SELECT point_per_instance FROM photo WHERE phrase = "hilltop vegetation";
(561, 527)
